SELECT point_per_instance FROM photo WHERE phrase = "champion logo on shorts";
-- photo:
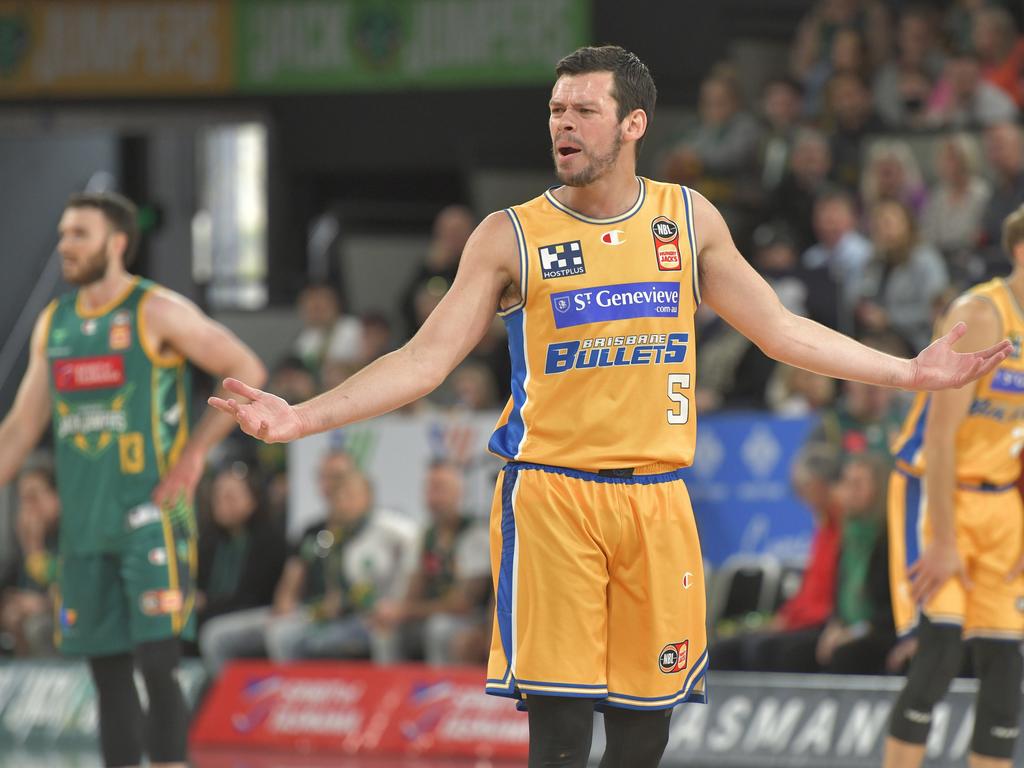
(673, 657)
(687, 580)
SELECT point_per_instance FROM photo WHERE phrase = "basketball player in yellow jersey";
(956, 529)
(597, 566)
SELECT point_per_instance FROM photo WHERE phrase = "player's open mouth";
(567, 150)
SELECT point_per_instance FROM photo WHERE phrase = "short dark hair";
(120, 213)
(632, 84)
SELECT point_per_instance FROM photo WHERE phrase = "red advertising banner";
(351, 708)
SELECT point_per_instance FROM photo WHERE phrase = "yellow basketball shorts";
(599, 588)
(989, 530)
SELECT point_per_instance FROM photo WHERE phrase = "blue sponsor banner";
(740, 485)
(625, 301)
(1006, 380)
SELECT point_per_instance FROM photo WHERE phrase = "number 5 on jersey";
(677, 384)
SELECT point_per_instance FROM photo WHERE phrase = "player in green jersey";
(109, 364)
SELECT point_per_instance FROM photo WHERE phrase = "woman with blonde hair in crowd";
(891, 172)
(952, 217)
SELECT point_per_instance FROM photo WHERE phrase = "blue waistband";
(615, 476)
(978, 487)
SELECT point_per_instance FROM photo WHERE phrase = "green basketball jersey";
(120, 415)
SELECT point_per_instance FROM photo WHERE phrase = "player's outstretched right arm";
(488, 270)
(24, 423)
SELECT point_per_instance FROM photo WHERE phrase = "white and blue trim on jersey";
(509, 438)
(692, 238)
(640, 198)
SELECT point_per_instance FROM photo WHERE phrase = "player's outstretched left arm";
(739, 295)
(175, 325)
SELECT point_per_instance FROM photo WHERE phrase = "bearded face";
(84, 245)
(586, 132)
(588, 164)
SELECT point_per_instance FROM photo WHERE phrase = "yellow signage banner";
(91, 48)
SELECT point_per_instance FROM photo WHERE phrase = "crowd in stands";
(866, 182)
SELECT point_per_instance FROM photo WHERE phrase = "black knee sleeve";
(167, 719)
(561, 730)
(938, 657)
(635, 739)
(999, 667)
(120, 714)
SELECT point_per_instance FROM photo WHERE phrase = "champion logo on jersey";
(561, 259)
(687, 580)
(615, 237)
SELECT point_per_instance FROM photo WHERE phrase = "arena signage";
(96, 48)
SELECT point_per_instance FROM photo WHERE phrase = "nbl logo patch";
(666, 244)
(673, 657)
(561, 260)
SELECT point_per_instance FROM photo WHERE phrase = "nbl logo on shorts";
(673, 657)
(561, 260)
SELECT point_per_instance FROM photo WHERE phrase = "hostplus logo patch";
(561, 260)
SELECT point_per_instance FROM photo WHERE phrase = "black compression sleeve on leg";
(635, 739)
(561, 730)
(167, 719)
(999, 668)
(936, 663)
(120, 713)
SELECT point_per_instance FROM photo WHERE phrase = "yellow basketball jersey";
(989, 441)
(602, 343)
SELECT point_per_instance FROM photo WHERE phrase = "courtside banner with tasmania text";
(808, 721)
(407, 709)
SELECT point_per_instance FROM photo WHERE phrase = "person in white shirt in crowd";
(324, 602)
(448, 591)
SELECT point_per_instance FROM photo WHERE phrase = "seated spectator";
(849, 118)
(840, 247)
(324, 601)
(902, 280)
(953, 214)
(892, 173)
(327, 334)
(797, 392)
(720, 153)
(448, 591)
(452, 227)
(859, 637)
(962, 99)
(806, 291)
(787, 641)
(377, 339)
(865, 419)
(1000, 50)
(848, 56)
(903, 84)
(26, 607)
(781, 105)
(241, 551)
(291, 379)
(474, 387)
(810, 166)
(819, 29)
(1004, 148)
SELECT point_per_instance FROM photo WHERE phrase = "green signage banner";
(296, 45)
